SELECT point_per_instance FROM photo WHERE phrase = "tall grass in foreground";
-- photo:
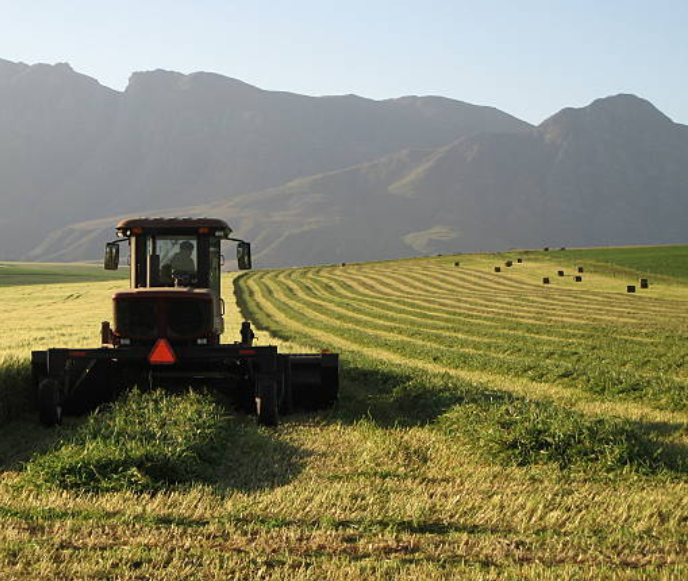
(411, 477)
(527, 433)
(141, 443)
(16, 390)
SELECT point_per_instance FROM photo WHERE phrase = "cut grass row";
(550, 426)
(507, 289)
(461, 306)
(480, 304)
(567, 299)
(150, 443)
(418, 312)
(481, 328)
(139, 444)
(494, 343)
(642, 311)
(422, 471)
(596, 371)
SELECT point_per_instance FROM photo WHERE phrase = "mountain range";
(326, 179)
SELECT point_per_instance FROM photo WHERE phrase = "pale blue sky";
(527, 57)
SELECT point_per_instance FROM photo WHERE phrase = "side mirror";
(244, 255)
(111, 256)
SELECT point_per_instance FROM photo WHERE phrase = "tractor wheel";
(50, 403)
(266, 402)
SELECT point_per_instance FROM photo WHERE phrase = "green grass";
(488, 428)
(671, 261)
(605, 365)
(142, 443)
(505, 428)
(23, 273)
(528, 433)
(16, 390)
(522, 431)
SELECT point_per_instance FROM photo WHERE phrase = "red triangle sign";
(162, 353)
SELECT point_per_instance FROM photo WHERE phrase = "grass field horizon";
(668, 260)
(489, 427)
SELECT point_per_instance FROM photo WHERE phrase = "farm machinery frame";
(166, 332)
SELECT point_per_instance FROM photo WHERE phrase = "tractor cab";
(175, 278)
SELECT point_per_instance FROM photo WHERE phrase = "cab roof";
(169, 225)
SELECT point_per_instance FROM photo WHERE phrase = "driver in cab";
(181, 262)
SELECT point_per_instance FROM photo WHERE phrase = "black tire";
(266, 402)
(50, 403)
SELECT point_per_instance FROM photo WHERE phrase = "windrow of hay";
(430, 467)
(596, 376)
(143, 442)
(524, 431)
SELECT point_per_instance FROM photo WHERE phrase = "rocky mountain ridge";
(327, 179)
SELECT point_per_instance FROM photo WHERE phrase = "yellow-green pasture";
(443, 459)
(25, 273)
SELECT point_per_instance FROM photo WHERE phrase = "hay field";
(663, 261)
(489, 427)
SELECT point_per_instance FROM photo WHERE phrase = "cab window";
(178, 259)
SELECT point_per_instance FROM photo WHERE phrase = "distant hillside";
(73, 150)
(615, 172)
(326, 179)
(612, 173)
(52, 123)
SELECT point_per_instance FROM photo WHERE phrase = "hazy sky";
(527, 57)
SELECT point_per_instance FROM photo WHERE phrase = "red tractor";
(166, 331)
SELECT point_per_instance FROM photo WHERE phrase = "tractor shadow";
(253, 458)
(23, 437)
(392, 399)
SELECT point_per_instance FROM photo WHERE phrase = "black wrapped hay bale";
(560, 272)
(630, 288)
(580, 269)
(545, 280)
(644, 283)
(498, 269)
(579, 279)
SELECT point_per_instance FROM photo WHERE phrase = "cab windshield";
(178, 259)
